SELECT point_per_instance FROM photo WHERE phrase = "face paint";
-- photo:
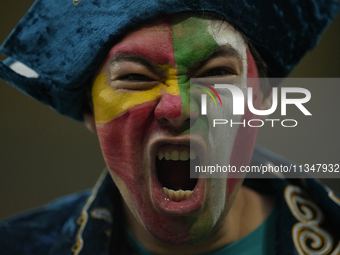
(141, 106)
(110, 103)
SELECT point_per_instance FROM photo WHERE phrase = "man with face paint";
(141, 111)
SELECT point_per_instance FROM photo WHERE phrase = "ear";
(89, 121)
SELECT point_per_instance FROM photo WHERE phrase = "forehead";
(180, 39)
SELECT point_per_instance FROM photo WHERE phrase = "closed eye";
(217, 72)
(134, 81)
(135, 77)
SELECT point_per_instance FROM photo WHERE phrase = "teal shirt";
(259, 242)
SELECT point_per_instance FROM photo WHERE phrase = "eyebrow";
(221, 51)
(137, 59)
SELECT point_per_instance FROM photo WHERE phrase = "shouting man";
(133, 90)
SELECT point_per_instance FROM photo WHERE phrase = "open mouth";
(173, 163)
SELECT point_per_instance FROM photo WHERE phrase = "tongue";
(175, 174)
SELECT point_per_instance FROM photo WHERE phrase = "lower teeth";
(178, 195)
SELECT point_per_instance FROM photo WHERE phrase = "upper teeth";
(177, 155)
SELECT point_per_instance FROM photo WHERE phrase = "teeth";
(167, 155)
(176, 155)
(184, 155)
(160, 155)
(192, 154)
(178, 195)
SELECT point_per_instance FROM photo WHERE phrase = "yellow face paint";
(109, 103)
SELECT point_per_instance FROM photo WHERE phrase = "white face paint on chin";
(222, 137)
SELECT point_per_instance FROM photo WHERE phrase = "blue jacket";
(89, 222)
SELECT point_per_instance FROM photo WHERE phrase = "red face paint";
(153, 42)
(124, 142)
(128, 123)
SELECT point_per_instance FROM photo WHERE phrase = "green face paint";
(191, 40)
(192, 43)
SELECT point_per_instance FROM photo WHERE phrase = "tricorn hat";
(58, 45)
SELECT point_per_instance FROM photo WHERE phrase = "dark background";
(44, 155)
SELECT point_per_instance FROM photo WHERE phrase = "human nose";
(174, 111)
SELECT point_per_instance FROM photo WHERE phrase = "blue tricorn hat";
(64, 41)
